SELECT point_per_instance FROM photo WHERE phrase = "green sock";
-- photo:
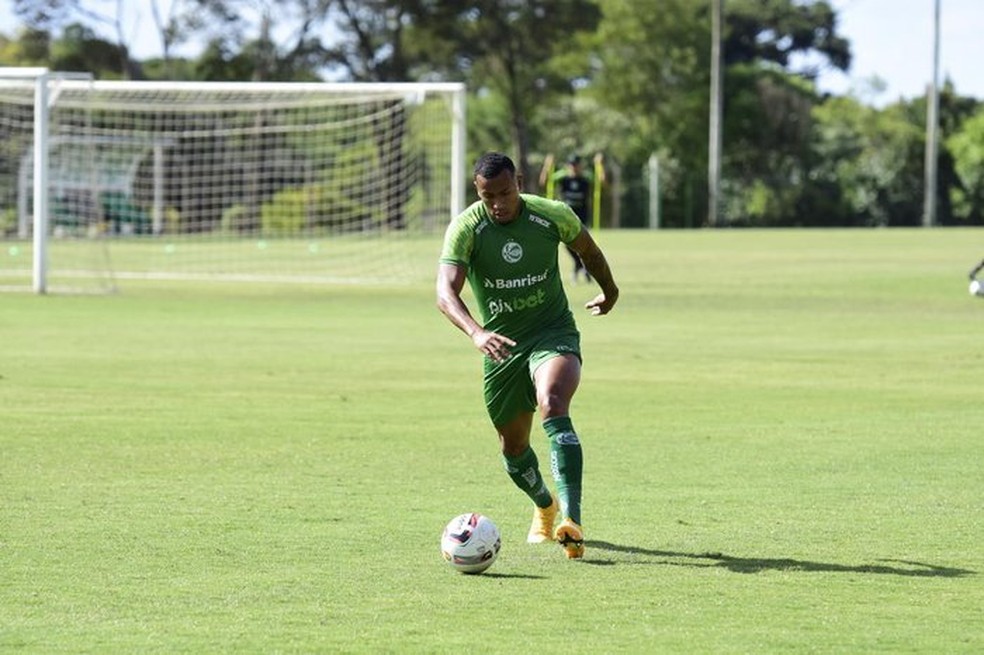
(525, 472)
(566, 464)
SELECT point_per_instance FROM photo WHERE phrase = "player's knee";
(512, 448)
(513, 443)
(553, 404)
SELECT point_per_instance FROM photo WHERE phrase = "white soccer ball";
(470, 542)
(976, 288)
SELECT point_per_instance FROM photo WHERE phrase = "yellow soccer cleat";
(543, 520)
(570, 536)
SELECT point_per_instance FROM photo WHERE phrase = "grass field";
(782, 432)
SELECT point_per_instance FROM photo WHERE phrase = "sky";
(890, 39)
(893, 40)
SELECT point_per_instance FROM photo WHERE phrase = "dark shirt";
(573, 190)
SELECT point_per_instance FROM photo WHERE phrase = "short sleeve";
(459, 239)
(568, 224)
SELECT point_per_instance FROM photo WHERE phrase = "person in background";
(574, 185)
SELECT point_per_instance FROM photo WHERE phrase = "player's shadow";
(758, 564)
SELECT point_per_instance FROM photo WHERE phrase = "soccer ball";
(976, 288)
(470, 542)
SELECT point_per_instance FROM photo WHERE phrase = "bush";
(315, 208)
(233, 220)
(8, 222)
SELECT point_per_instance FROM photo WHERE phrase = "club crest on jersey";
(512, 252)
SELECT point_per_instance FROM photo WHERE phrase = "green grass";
(782, 434)
(93, 265)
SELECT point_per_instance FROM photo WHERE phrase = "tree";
(656, 73)
(370, 43)
(175, 23)
(29, 47)
(246, 34)
(80, 49)
(504, 49)
(652, 69)
(873, 158)
(52, 15)
(776, 30)
(220, 63)
(768, 153)
(967, 146)
(768, 122)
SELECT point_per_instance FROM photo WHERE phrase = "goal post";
(317, 182)
(26, 130)
(39, 190)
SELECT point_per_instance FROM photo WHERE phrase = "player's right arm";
(450, 281)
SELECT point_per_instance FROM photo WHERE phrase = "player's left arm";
(594, 260)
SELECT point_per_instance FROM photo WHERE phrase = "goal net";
(274, 182)
(24, 94)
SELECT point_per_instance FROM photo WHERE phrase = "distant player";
(977, 269)
(574, 185)
(505, 245)
(976, 286)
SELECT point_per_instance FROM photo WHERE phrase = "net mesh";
(286, 182)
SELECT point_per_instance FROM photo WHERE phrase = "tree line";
(627, 78)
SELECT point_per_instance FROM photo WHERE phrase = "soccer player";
(506, 246)
(977, 269)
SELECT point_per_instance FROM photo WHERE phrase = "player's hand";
(493, 345)
(601, 304)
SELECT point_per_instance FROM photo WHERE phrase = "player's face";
(500, 195)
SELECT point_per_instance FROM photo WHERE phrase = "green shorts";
(509, 389)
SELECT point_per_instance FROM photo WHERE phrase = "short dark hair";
(492, 164)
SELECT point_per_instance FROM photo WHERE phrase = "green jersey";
(512, 268)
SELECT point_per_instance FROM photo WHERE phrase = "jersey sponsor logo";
(515, 282)
(499, 306)
(512, 252)
(539, 221)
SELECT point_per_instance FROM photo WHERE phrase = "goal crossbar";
(260, 163)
